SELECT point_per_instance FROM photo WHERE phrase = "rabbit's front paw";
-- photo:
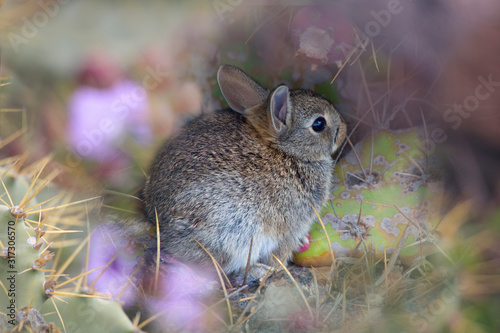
(255, 275)
(306, 242)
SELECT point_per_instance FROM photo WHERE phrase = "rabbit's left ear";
(240, 90)
(280, 108)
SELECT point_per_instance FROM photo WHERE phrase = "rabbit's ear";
(280, 108)
(240, 90)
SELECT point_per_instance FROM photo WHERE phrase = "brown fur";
(228, 177)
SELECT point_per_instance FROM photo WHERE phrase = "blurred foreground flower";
(179, 300)
(107, 243)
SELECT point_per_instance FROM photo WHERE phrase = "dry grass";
(455, 289)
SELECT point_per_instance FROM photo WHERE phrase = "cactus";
(88, 314)
(393, 199)
(22, 256)
(27, 287)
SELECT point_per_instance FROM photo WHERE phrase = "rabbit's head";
(299, 122)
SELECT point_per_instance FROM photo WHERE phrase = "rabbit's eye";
(319, 124)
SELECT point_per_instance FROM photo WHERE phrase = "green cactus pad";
(17, 187)
(370, 209)
(20, 255)
(88, 314)
(25, 284)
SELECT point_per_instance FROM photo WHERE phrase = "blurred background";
(99, 85)
(95, 81)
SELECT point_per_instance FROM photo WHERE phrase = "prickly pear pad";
(394, 195)
(88, 314)
(20, 251)
(32, 218)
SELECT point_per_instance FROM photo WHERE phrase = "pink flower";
(322, 34)
(105, 243)
(101, 116)
(182, 291)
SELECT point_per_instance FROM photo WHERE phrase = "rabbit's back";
(220, 183)
(217, 151)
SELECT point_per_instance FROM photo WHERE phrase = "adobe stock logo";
(456, 114)
(382, 18)
(225, 6)
(31, 27)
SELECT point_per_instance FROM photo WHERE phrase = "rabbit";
(244, 177)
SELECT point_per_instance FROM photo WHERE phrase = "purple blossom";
(183, 289)
(105, 243)
(101, 117)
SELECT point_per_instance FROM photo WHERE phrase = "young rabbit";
(250, 172)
